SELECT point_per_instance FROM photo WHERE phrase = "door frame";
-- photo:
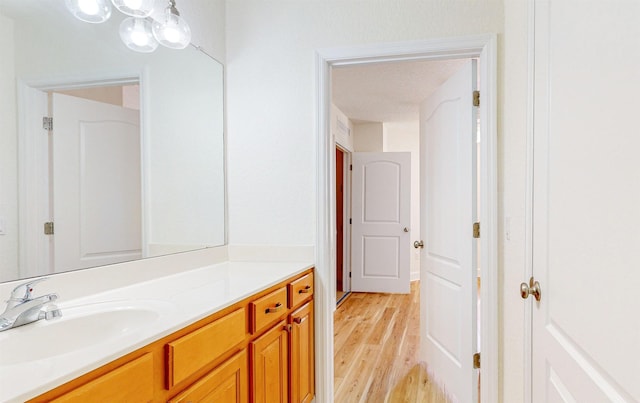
(34, 159)
(483, 47)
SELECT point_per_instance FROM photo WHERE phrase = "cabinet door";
(226, 384)
(269, 359)
(301, 377)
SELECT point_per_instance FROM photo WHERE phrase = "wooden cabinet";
(227, 383)
(195, 350)
(301, 346)
(259, 349)
(269, 366)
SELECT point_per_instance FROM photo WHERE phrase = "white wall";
(405, 136)
(368, 137)
(271, 119)
(8, 154)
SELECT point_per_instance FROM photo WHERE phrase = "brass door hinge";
(47, 123)
(476, 361)
(476, 230)
(48, 228)
(476, 98)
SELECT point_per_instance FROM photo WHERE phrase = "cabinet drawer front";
(300, 289)
(132, 382)
(268, 309)
(229, 382)
(190, 353)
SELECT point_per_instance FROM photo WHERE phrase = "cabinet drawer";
(190, 353)
(268, 309)
(228, 383)
(132, 382)
(300, 289)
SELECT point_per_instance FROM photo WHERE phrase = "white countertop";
(185, 297)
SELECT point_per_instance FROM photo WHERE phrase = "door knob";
(533, 288)
(418, 244)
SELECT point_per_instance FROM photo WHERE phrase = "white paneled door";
(380, 222)
(586, 205)
(96, 183)
(448, 210)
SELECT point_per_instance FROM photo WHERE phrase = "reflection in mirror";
(133, 166)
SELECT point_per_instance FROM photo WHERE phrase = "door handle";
(418, 244)
(533, 288)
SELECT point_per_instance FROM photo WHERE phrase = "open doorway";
(392, 109)
(483, 47)
(84, 179)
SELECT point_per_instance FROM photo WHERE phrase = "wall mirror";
(133, 165)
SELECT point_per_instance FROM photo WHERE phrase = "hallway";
(376, 342)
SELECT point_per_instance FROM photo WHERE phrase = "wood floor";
(376, 343)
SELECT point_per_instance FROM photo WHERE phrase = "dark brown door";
(339, 217)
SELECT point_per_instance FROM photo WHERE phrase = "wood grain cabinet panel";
(300, 289)
(192, 352)
(117, 385)
(228, 383)
(301, 346)
(268, 309)
(269, 362)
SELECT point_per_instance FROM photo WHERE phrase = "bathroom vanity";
(229, 332)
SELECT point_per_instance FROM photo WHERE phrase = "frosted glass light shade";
(94, 11)
(136, 34)
(134, 8)
(172, 31)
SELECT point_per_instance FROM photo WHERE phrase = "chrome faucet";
(22, 308)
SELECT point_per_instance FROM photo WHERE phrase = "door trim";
(483, 47)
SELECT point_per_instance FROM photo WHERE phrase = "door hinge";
(47, 123)
(48, 228)
(476, 361)
(349, 220)
(349, 274)
(476, 230)
(350, 167)
(476, 98)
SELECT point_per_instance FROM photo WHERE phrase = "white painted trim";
(528, 267)
(33, 177)
(482, 46)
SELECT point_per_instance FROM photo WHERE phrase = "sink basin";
(80, 327)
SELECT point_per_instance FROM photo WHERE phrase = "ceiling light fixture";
(134, 8)
(139, 32)
(170, 29)
(136, 34)
(93, 11)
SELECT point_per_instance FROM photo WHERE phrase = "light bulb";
(136, 34)
(134, 8)
(94, 11)
(171, 30)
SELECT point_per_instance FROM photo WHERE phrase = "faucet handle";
(22, 292)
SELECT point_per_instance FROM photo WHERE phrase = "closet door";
(586, 208)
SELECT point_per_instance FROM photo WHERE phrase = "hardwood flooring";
(376, 342)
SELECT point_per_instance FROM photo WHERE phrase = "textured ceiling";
(388, 92)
